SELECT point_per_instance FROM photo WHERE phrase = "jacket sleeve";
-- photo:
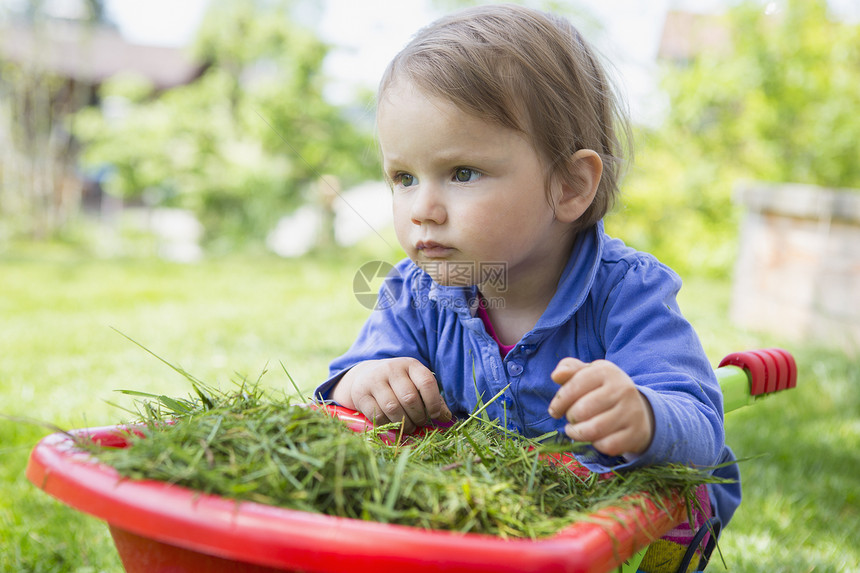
(395, 328)
(643, 332)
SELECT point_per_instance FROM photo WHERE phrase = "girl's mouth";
(433, 250)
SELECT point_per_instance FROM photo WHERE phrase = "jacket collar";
(575, 283)
(577, 279)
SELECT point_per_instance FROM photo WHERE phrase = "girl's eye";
(465, 175)
(404, 180)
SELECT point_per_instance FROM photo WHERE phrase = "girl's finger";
(598, 397)
(428, 387)
(409, 398)
(597, 429)
(390, 408)
(613, 432)
(566, 368)
(585, 380)
(367, 405)
(624, 441)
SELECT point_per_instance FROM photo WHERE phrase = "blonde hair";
(529, 71)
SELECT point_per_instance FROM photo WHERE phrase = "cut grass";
(474, 476)
(61, 361)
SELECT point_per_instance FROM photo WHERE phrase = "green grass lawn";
(62, 359)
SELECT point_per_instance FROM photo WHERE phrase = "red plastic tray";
(161, 527)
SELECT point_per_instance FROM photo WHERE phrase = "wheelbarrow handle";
(745, 377)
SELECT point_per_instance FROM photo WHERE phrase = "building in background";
(51, 67)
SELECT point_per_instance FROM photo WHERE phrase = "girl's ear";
(575, 186)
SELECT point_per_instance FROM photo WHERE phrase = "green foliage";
(241, 144)
(676, 203)
(783, 103)
(779, 104)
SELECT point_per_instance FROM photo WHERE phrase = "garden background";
(250, 135)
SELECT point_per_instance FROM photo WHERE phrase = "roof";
(95, 54)
(686, 35)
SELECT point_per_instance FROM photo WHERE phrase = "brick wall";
(798, 268)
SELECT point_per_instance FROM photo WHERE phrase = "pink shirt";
(485, 318)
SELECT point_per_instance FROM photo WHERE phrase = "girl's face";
(470, 205)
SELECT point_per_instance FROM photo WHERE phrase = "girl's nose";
(427, 206)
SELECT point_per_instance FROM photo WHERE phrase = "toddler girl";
(502, 142)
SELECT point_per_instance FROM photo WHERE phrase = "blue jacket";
(612, 303)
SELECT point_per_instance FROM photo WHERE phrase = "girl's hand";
(393, 390)
(602, 406)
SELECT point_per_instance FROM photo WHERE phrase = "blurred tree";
(779, 105)
(783, 103)
(242, 144)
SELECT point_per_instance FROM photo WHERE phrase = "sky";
(368, 33)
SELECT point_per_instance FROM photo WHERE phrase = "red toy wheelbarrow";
(158, 527)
